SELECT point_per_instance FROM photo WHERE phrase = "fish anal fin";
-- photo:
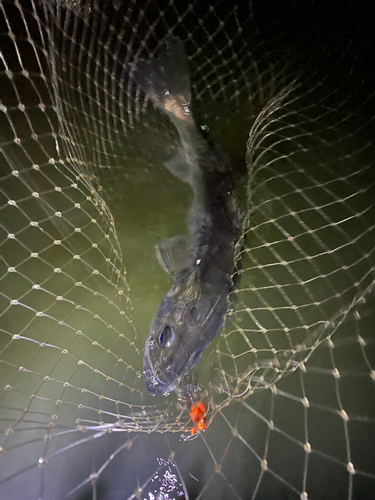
(180, 167)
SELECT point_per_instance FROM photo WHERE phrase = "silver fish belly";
(202, 263)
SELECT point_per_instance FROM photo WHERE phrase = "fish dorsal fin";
(173, 254)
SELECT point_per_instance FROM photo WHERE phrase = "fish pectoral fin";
(173, 253)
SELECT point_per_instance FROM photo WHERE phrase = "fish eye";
(166, 337)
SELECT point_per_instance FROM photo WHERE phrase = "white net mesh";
(289, 381)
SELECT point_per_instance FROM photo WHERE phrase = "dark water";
(311, 170)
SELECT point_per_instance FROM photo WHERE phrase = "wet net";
(288, 383)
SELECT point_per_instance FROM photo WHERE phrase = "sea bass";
(203, 262)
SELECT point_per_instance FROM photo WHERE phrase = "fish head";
(185, 323)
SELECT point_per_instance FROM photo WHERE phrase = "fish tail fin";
(165, 75)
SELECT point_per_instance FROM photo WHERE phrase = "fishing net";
(288, 383)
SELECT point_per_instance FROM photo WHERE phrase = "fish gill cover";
(282, 399)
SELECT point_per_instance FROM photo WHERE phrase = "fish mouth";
(154, 383)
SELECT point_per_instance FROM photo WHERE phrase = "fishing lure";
(198, 415)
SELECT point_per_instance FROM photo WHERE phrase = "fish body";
(201, 263)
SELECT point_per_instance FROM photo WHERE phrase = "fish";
(202, 263)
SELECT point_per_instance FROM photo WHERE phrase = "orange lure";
(198, 416)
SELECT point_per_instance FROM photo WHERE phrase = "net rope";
(288, 383)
